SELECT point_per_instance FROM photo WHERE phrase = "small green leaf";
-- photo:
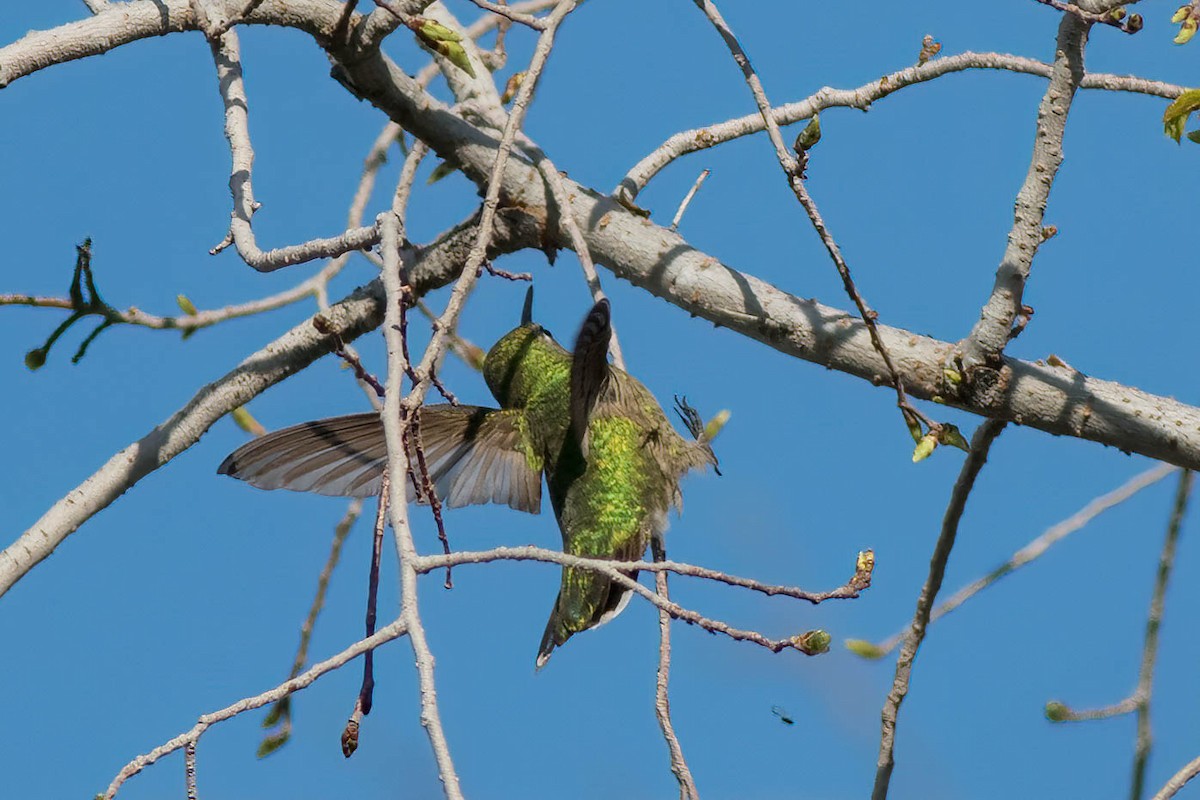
(715, 424)
(925, 447)
(1194, 136)
(1057, 712)
(953, 375)
(445, 42)
(440, 171)
(1181, 14)
(914, 427)
(277, 711)
(473, 355)
(1187, 31)
(864, 649)
(457, 55)
(812, 643)
(272, 743)
(434, 31)
(951, 436)
(511, 86)
(35, 359)
(809, 137)
(1175, 117)
(186, 305)
(244, 420)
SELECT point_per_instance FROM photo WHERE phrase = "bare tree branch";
(1179, 780)
(662, 702)
(986, 341)
(396, 419)
(981, 444)
(1145, 686)
(280, 715)
(385, 634)
(511, 13)
(1139, 701)
(687, 200)
(1035, 549)
(233, 95)
(696, 139)
(851, 589)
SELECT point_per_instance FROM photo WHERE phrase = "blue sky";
(187, 593)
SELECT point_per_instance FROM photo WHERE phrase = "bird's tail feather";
(585, 600)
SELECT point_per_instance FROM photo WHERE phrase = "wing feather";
(474, 455)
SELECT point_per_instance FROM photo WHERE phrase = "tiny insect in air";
(783, 715)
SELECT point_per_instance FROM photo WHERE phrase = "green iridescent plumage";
(611, 459)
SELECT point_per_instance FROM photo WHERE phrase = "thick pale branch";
(1058, 400)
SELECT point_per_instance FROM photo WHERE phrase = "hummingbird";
(612, 461)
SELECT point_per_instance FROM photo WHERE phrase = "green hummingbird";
(611, 458)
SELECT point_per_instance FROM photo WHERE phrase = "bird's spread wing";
(590, 372)
(473, 454)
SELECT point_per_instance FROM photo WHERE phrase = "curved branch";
(851, 589)
(691, 141)
(190, 737)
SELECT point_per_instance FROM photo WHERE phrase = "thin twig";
(227, 57)
(566, 218)
(1166, 562)
(1057, 712)
(696, 139)
(848, 591)
(618, 571)
(189, 770)
(1179, 780)
(395, 423)
(362, 703)
(280, 715)
(1124, 24)
(981, 444)
(385, 634)
(1036, 548)
(662, 703)
(794, 170)
(687, 199)
(512, 14)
